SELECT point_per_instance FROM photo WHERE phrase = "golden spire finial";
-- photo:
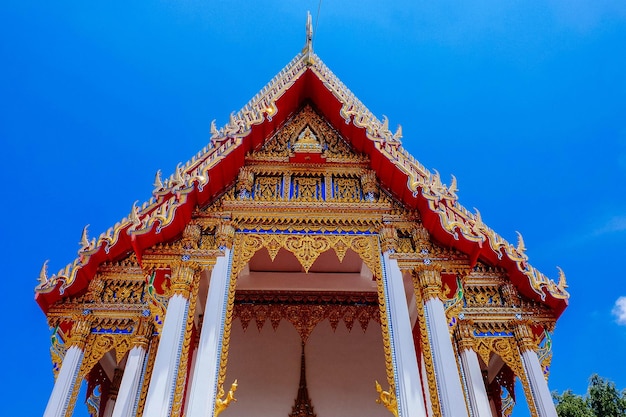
(308, 45)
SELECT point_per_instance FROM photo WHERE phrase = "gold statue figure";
(222, 404)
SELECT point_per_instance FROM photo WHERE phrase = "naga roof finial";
(84, 240)
(43, 274)
(521, 247)
(562, 284)
(307, 51)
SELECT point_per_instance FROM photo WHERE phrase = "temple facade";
(301, 264)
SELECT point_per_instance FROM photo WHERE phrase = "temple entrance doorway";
(306, 342)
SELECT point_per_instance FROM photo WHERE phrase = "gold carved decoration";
(228, 319)
(293, 136)
(384, 326)
(506, 348)
(387, 398)
(152, 351)
(225, 234)
(388, 238)
(463, 333)
(524, 337)
(245, 181)
(99, 344)
(222, 403)
(430, 280)
(182, 278)
(304, 312)
(307, 188)
(306, 248)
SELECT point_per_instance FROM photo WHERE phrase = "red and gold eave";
(207, 176)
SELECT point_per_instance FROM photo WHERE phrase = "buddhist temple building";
(301, 264)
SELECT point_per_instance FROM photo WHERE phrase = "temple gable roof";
(215, 168)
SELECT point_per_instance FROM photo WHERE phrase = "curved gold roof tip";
(307, 51)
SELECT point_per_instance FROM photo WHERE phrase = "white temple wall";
(341, 369)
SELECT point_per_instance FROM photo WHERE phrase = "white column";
(429, 403)
(66, 381)
(166, 363)
(192, 367)
(534, 373)
(444, 359)
(64, 384)
(408, 383)
(203, 388)
(163, 379)
(476, 391)
(129, 388)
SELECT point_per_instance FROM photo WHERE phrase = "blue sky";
(523, 101)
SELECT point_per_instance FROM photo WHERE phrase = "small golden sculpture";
(387, 398)
(222, 404)
(43, 274)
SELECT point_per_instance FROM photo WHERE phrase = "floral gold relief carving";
(307, 248)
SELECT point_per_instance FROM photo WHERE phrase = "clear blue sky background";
(524, 101)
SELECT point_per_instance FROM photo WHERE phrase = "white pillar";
(128, 394)
(192, 367)
(408, 382)
(163, 379)
(538, 384)
(476, 391)
(444, 359)
(166, 363)
(429, 401)
(534, 373)
(67, 378)
(203, 388)
(64, 384)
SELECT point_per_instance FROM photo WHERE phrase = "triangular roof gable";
(215, 168)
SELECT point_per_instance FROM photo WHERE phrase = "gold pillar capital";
(245, 181)
(524, 336)
(182, 277)
(225, 233)
(510, 295)
(388, 238)
(429, 276)
(80, 330)
(464, 334)
(369, 183)
(142, 334)
(421, 237)
(191, 236)
(95, 288)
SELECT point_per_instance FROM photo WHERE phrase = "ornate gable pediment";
(307, 119)
(307, 132)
